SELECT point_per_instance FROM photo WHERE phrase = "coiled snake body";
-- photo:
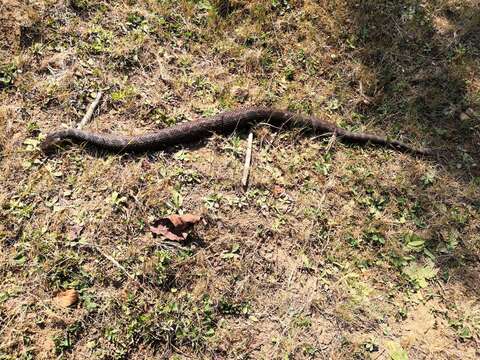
(223, 123)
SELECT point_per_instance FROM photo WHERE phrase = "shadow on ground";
(419, 71)
(419, 63)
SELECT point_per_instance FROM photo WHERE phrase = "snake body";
(223, 123)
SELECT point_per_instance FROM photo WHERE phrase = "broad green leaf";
(419, 274)
(415, 242)
(395, 351)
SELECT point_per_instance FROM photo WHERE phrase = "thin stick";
(88, 115)
(113, 261)
(330, 143)
(248, 160)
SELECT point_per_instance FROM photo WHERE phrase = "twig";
(330, 143)
(88, 115)
(248, 160)
(113, 261)
(168, 245)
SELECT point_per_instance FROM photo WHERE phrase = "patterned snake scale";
(223, 123)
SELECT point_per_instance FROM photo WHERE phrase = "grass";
(333, 252)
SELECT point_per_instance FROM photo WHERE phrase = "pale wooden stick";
(91, 109)
(330, 143)
(248, 160)
(112, 260)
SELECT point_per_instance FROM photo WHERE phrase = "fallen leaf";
(277, 190)
(175, 227)
(419, 274)
(66, 298)
(164, 231)
(74, 233)
(395, 351)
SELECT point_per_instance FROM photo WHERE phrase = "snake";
(223, 123)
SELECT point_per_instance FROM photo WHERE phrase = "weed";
(7, 75)
(123, 94)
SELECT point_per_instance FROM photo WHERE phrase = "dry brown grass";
(341, 252)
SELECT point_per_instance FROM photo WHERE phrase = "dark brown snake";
(223, 123)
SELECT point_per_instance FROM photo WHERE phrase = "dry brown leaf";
(74, 233)
(277, 190)
(175, 227)
(67, 298)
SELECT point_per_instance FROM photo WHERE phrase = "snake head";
(53, 140)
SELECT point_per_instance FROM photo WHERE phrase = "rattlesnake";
(223, 123)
